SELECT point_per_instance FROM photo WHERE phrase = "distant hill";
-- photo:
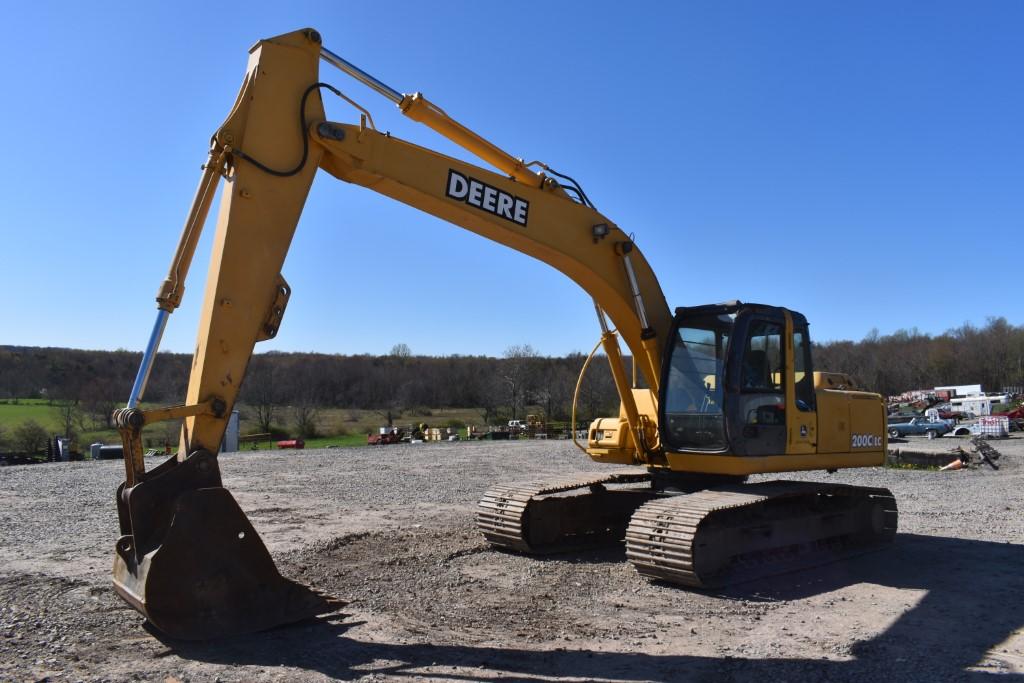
(992, 355)
(362, 381)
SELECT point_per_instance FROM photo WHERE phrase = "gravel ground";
(391, 531)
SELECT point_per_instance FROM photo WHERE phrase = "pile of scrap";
(919, 459)
(986, 452)
(981, 453)
(386, 436)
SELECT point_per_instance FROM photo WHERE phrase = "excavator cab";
(726, 385)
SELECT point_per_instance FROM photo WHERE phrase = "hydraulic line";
(576, 394)
(302, 130)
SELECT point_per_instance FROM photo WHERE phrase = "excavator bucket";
(191, 562)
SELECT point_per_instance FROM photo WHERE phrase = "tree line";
(503, 388)
(520, 381)
(991, 355)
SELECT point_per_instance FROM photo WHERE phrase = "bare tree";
(488, 397)
(555, 383)
(69, 414)
(263, 395)
(98, 404)
(305, 417)
(517, 372)
(393, 382)
(597, 392)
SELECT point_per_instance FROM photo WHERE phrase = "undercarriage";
(676, 530)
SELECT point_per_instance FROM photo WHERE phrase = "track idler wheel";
(209, 575)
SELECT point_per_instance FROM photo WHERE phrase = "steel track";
(530, 518)
(721, 536)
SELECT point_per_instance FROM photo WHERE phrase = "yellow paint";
(731, 464)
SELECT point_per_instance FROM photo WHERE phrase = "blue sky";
(862, 163)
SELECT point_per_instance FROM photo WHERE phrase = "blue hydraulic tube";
(146, 367)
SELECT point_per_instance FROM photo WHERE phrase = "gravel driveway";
(390, 529)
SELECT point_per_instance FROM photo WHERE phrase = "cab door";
(756, 392)
(801, 408)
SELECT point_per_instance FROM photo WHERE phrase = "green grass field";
(343, 427)
(29, 409)
(350, 427)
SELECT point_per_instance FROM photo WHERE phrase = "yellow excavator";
(714, 393)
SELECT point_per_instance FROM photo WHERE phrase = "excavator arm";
(188, 558)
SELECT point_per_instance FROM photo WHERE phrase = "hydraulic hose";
(576, 394)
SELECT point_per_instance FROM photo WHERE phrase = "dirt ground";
(391, 531)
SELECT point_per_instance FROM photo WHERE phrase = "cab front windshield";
(693, 399)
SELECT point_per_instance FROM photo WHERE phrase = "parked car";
(920, 426)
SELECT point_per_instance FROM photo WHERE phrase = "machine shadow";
(973, 596)
(974, 600)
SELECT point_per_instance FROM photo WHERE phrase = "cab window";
(694, 387)
(762, 370)
(802, 367)
(695, 371)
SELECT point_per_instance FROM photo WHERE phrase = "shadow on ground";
(974, 602)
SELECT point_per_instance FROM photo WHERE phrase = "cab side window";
(762, 370)
(804, 375)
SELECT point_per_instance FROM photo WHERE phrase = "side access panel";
(851, 422)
